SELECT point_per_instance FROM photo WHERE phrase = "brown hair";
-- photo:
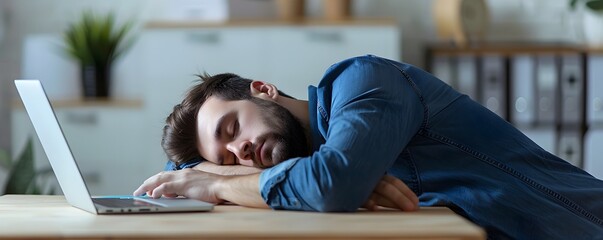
(179, 139)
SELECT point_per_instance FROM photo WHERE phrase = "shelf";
(507, 49)
(270, 23)
(74, 103)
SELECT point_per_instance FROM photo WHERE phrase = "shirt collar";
(317, 139)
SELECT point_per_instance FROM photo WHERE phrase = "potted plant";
(23, 178)
(96, 42)
(592, 17)
(594, 5)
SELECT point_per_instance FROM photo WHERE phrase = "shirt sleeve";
(171, 166)
(375, 111)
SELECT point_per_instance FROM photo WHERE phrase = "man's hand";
(187, 182)
(242, 190)
(227, 170)
(391, 192)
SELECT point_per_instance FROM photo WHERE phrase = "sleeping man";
(374, 132)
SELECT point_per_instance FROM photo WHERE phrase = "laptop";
(68, 174)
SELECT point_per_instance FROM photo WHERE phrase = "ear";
(264, 90)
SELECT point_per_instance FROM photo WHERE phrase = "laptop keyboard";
(121, 202)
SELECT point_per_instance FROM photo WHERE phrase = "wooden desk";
(50, 217)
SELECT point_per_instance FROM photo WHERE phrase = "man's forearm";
(242, 190)
(226, 170)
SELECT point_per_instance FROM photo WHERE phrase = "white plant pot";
(593, 29)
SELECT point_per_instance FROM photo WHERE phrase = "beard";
(288, 134)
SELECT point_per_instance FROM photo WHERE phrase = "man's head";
(228, 120)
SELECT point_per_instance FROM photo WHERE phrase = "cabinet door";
(299, 56)
(105, 141)
(173, 57)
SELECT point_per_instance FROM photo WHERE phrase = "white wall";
(512, 20)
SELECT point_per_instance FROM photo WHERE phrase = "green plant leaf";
(120, 37)
(573, 4)
(43, 176)
(23, 173)
(595, 5)
(5, 161)
(33, 188)
(51, 191)
(97, 40)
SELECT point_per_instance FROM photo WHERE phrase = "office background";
(408, 37)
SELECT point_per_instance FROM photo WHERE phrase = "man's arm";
(244, 189)
(226, 170)
(367, 121)
(209, 187)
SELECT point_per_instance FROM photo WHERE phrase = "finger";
(369, 205)
(163, 189)
(376, 200)
(403, 188)
(139, 191)
(395, 195)
(144, 188)
(151, 183)
(171, 195)
(383, 201)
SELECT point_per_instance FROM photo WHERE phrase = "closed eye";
(234, 160)
(224, 126)
(235, 129)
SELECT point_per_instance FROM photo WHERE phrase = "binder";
(572, 91)
(593, 152)
(494, 84)
(545, 137)
(443, 69)
(594, 95)
(569, 146)
(593, 149)
(466, 79)
(522, 111)
(547, 78)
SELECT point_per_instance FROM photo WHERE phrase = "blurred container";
(290, 10)
(336, 10)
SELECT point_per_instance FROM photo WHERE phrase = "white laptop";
(65, 167)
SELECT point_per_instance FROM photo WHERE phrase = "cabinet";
(552, 93)
(290, 56)
(104, 138)
(117, 144)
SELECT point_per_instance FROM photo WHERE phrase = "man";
(374, 132)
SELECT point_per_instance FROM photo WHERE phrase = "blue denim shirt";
(371, 116)
(171, 166)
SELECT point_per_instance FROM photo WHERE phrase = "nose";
(243, 150)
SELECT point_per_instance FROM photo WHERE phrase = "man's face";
(255, 132)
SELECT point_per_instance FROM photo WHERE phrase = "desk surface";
(50, 217)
